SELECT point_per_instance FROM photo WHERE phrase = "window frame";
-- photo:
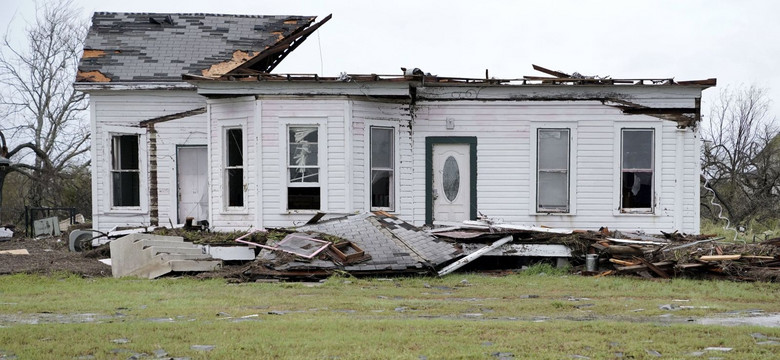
(322, 162)
(533, 142)
(392, 169)
(143, 178)
(652, 170)
(567, 171)
(225, 146)
(658, 166)
(114, 170)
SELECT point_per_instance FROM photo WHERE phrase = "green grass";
(459, 316)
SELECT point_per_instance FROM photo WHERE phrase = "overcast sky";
(734, 41)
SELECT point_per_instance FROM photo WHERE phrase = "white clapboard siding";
(364, 115)
(504, 161)
(112, 110)
(334, 164)
(236, 112)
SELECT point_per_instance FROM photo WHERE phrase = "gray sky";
(734, 41)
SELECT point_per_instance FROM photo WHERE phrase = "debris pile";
(362, 244)
(661, 256)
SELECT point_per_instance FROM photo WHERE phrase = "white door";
(451, 182)
(192, 178)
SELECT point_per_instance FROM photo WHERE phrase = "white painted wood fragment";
(473, 256)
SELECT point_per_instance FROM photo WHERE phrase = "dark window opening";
(303, 198)
(234, 168)
(125, 171)
(637, 189)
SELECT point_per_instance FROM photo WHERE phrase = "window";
(382, 168)
(303, 186)
(552, 178)
(636, 167)
(234, 167)
(125, 171)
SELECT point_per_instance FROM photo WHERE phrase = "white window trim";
(224, 126)
(143, 165)
(396, 164)
(322, 160)
(657, 128)
(534, 129)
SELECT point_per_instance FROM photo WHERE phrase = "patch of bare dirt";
(48, 255)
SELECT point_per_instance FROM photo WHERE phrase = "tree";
(42, 112)
(740, 156)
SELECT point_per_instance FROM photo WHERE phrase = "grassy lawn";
(460, 316)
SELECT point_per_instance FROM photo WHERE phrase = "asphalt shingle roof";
(392, 243)
(160, 47)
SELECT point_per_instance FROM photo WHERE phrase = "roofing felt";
(160, 47)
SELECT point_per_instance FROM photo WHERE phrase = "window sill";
(553, 214)
(301, 212)
(634, 213)
(235, 211)
(133, 210)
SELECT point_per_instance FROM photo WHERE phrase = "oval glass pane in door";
(451, 178)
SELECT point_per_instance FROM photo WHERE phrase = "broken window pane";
(303, 168)
(451, 178)
(380, 188)
(637, 149)
(637, 189)
(303, 198)
(303, 154)
(125, 171)
(553, 190)
(382, 167)
(552, 170)
(310, 175)
(235, 148)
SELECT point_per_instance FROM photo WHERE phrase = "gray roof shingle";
(160, 47)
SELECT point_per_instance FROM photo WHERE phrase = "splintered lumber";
(720, 257)
(643, 266)
(654, 268)
(473, 256)
(623, 250)
(638, 242)
(623, 262)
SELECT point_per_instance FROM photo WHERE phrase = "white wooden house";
(244, 149)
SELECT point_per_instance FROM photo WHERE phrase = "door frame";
(430, 141)
(176, 177)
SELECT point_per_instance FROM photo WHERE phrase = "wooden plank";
(551, 72)
(15, 252)
(473, 256)
(719, 257)
(654, 268)
(623, 262)
(643, 267)
(638, 242)
(514, 249)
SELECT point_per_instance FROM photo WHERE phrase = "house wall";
(505, 159)
(118, 112)
(506, 162)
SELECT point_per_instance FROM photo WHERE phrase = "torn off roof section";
(160, 47)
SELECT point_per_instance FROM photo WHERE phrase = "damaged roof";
(160, 47)
(394, 245)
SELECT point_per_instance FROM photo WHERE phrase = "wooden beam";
(551, 72)
(473, 256)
